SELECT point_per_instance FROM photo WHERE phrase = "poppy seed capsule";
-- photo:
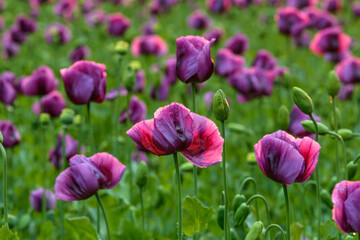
(310, 127)
(302, 100)
(283, 117)
(352, 169)
(67, 116)
(241, 214)
(77, 119)
(141, 174)
(345, 133)
(121, 47)
(255, 231)
(220, 106)
(220, 216)
(334, 84)
(44, 119)
(237, 201)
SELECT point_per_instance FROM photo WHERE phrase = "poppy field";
(179, 119)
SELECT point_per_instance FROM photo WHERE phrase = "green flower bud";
(332, 183)
(135, 65)
(302, 100)
(186, 167)
(352, 169)
(121, 47)
(233, 234)
(220, 106)
(220, 212)
(345, 133)
(120, 139)
(326, 198)
(255, 231)
(237, 201)
(241, 214)
(67, 116)
(77, 119)
(1, 138)
(333, 84)
(251, 158)
(310, 127)
(283, 117)
(44, 119)
(141, 174)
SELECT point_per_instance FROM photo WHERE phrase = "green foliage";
(80, 228)
(296, 230)
(7, 234)
(329, 230)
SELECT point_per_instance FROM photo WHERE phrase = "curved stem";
(104, 214)
(251, 179)
(286, 195)
(274, 226)
(343, 148)
(356, 159)
(142, 210)
(176, 162)
(3, 155)
(265, 202)
(317, 176)
(226, 200)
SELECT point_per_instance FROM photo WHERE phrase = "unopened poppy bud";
(351, 169)
(121, 47)
(77, 119)
(326, 198)
(333, 182)
(186, 167)
(345, 133)
(233, 234)
(135, 65)
(255, 231)
(142, 174)
(67, 116)
(241, 214)
(333, 83)
(1, 138)
(237, 201)
(251, 158)
(283, 117)
(44, 119)
(120, 139)
(220, 216)
(310, 127)
(220, 106)
(302, 100)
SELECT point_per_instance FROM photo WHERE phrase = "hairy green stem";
(176, 163)
(226, 197)
(104, 214)
(286, 195)
(142, 210)
(337, 170)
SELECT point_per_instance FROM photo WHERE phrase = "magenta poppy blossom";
(291, 21)
(149, 45)
(71, 148)
(198, 20)
(295, 126)
(238, 44)
(348, 70)
(320, 19)
(332, 5)
(330, 40)
(356, 9)
(57, 33)
(85, 81)
(170, 70)
(346, 210)
(193, 59)
(346, 92)
(52, 103)
(175, 129)
(26, 25)
(79, 53)
(36, 199)
(86, 176)
(7, 88)
(264, 60)
(65, 8)
(137, 111)
(140, 81)
(117, 24)
(218, 6)
(286, 159)
(95, 18)
(10, 134)
(227, 62)
(299, 4)
(215, 33)
(40, 82)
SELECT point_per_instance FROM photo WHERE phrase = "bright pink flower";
(149, 45)
(330, 40)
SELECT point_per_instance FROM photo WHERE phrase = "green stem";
(61, 206)
(317, 175)
(193, 93)
(274, 226)
(226, 200)
(250, 179)
(43, 202)
(286, 195)
(142, 210)
(343, 148)
(356, 159)
(104, 214)
(3, 154)
(176, 162)
(254, 197)
(128, 148)
(337, 170)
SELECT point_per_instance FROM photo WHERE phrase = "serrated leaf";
(7, 234)
(80, 228)
(195, 216)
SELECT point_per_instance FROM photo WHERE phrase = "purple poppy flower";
(36, 198)
(148, 45)
(86, 176)
(85, 81)
(65, 8)
(149, 27)
(88, 5)
(330, 40)
(299, 4)
(114, 93)
(17, 35)
(356, 9)
(161, 92)
(7, 88)
(264, 60)
(335, 57)
(198, 20)
(139, 81)
(139, 156)
(295, 126)
(215, 33)
(319, 19)
(238, 44)
(95, 18)
(348, 70)
(10, 134)
(227, 62)
(193, 59)
(286, 159)
(71, 148)
(208, 98)
(218, 6)
(40, 82)
(302, 40)
(346, 92)
(175, 129)
(26, 25)
(117, 24)
(332, 5)
(57, 33)
(345, 212)
(161, 6)
(10, 48)
(52, 103)
(291, 21)
(137, 111)
(170, 70)
(245, 3)
(79, 53)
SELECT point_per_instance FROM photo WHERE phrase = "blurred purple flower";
(139, 156)
(295, 126)
(346, 92)
(149, 45)
(356, 9)
(238, 44)
(299, 4)
(218, 6)
(79, 53)
(170, 70)
(291, 21)
(88, 5)
(215, 33)
(95, 18)
(114, 93)
(10, 48)
(71, 148)
(52, 103)
(40, 82)
(320, 19)
(57, 33)
(17, 35)
(208, 98)
(137, 111)
(26, 25)
(65, 8)
(332, 5)
(139, 81)
(10, 133)
(7, 88)
(227, 62)
(348, 70)
(36, 199)
(336, 57)
(330, 40)
(117, 24)
(198, 20)
(161, 6)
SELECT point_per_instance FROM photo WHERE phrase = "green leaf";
(7, 234)
(329, 230)
(47, 231)
(195, 216)
(296, 230)
(80, 228)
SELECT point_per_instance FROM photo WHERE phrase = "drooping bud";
(345, 133)
(310, 127)
(351, 169)
(141, 176)
(283, 117)
(67, 116)
(302, 100)
(237, 201)
(333, 84)
(220, 106)
(220, 212)
(255, 231)
(121, 48)
(326, 198)
(241, 214)
(233, 234)
(44, 119)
